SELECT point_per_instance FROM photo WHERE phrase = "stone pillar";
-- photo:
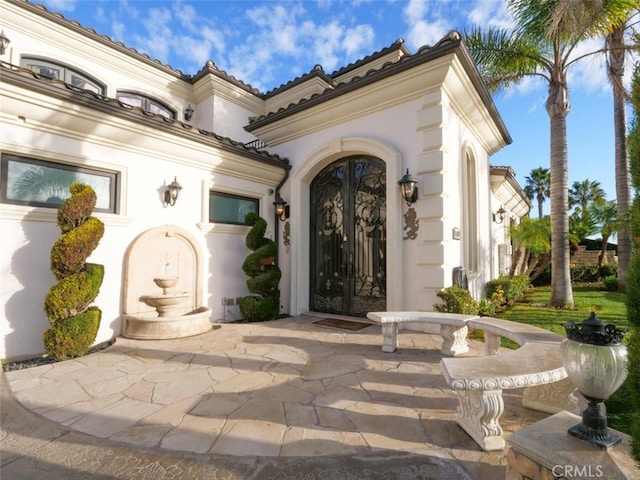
(546, 451)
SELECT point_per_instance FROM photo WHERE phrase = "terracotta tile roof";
(57, 88)
(209, 67)
(444, 46)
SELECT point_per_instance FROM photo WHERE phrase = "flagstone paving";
(280, 389)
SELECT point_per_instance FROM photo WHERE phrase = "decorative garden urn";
(596, 362)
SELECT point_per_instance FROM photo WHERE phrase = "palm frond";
(503, 58)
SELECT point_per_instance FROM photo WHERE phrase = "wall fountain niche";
(163, 287)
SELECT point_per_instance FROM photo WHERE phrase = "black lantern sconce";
(409, 189)
(596, 363)
(282, 209)
(188, 113)
(4, 42)
(172, 192)
(498, 217)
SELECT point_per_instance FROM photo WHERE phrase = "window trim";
(68, 69)
(115, 180)
(147, 101)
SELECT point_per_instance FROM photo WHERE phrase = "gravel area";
(45, 359)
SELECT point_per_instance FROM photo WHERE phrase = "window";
(26, 181)
(146, 103)
(57, 71)
(228, 208)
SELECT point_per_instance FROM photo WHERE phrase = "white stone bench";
(479, 381)
(453, 328)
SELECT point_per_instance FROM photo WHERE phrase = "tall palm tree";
(606, 215)
(617, 46)
(538, 186)
(584, 194)
(542, 44)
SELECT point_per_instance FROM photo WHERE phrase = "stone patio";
(286, 391)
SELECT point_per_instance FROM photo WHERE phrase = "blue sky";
(267, 43)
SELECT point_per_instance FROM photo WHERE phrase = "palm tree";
(533, 244)
(617, 46)
(538, 186)
(584, 194)
(606, 215)
(541, 45)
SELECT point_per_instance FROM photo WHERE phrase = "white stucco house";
(76, 105)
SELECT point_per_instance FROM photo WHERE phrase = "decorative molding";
(411, 224)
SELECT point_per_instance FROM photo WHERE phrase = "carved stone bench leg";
(551, 397)
(454, 340)
(389, 337)
(478, 415)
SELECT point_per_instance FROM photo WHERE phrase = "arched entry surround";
(300, 195)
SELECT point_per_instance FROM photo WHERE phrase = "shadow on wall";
(24, 310)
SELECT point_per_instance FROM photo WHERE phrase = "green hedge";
(456, 300)
(510, 290)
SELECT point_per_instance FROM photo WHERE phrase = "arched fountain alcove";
(163, 296)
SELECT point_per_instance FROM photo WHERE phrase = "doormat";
(342, 324)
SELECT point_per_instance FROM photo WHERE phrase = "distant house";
(333, 146)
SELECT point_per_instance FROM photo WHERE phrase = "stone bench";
(453, 328)
(479, 381)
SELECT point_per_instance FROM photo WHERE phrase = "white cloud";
(61, 5)
(358, 38)
(158, 37)
(423, 30)
(490, 13)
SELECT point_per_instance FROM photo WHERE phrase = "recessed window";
(146, 103)
(228, 208)
(27, 181)
(57, 71)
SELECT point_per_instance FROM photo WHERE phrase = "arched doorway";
(348, 272)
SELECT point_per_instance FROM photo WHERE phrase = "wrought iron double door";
(348, 237)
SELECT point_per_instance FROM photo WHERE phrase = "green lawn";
(608, 306)
(534, 310)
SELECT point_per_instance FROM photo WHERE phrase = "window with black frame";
(229, 208)
(52, 70)
(40, 183)
(146, 103)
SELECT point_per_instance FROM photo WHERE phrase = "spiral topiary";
(74, 323)
(265, 274)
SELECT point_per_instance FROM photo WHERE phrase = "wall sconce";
(282, 209)
(596, 363)
(409, 189)
(188, 113)
(172, 192)
(498, 217)
(4, 42)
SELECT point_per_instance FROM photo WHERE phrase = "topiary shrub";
(263, 272)
(456, 300)
(74, 323)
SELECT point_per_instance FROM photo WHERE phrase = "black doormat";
(342, 324)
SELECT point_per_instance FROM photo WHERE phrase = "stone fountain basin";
(148, 326)
(168, 300)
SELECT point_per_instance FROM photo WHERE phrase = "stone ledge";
(548, 451)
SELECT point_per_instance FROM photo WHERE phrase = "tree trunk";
(603, 250)
(558, 108)
(623, 182)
